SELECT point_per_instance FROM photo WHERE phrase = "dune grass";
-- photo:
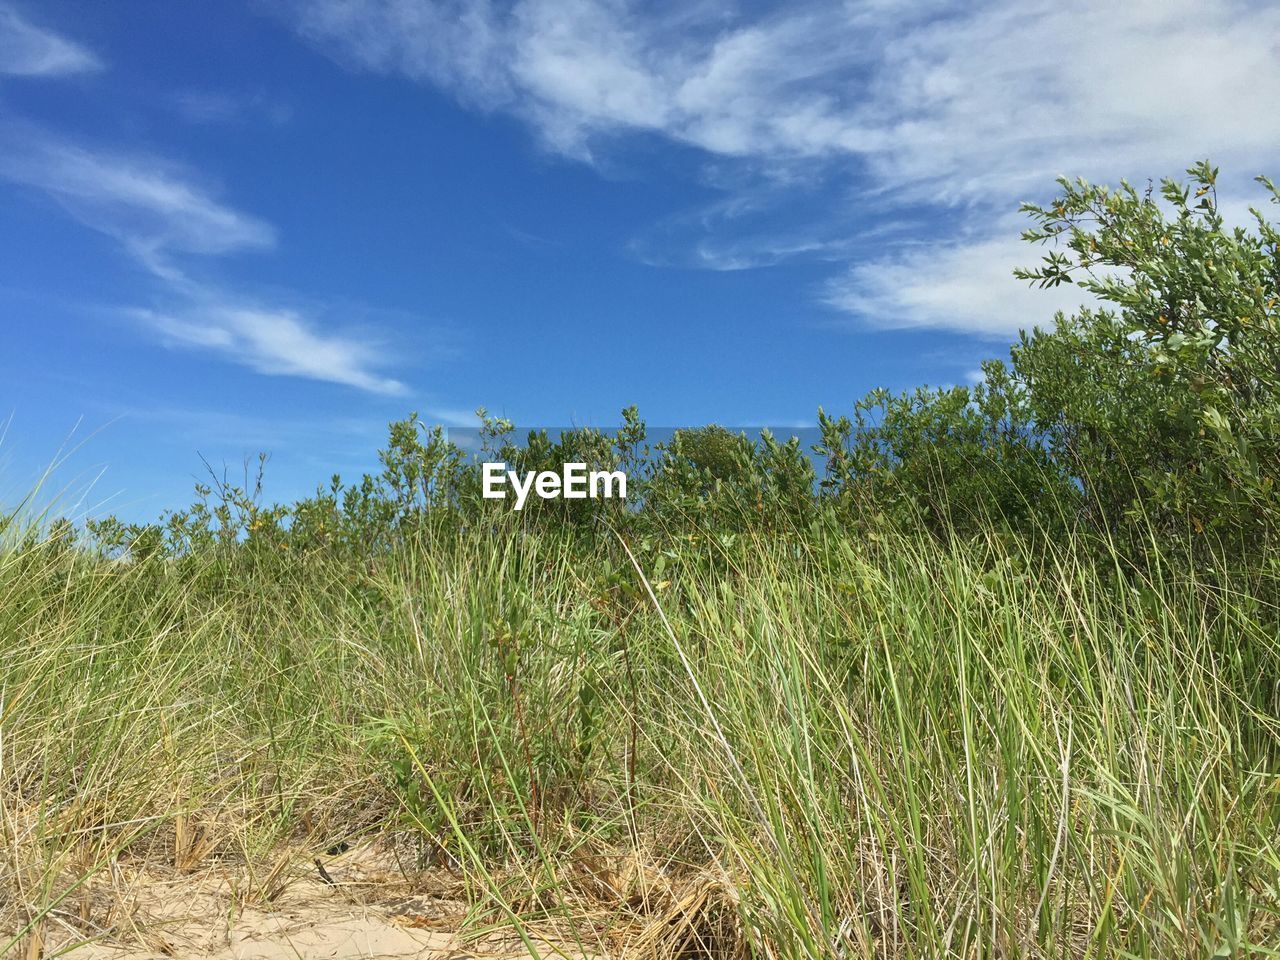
(766, 745)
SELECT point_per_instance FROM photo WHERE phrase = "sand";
(358, 908)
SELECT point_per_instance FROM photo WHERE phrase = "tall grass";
(791, 746)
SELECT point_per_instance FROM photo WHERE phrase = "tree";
(1164, 406)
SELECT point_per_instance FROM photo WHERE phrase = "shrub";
(1165, 407)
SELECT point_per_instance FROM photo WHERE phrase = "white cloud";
(150, 205)
(161, 215)
(275, 342)
(966, 286)
(27, 50)
(970, 106)
(1006, 97)
(453, 416)
(969, 96)
(454, 44)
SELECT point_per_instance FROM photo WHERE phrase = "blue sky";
(276, 225)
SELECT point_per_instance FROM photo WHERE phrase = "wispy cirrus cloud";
(958, 96)
(28, 50)
(966, 285)
(276, 342)
(152, 206)
(961, 108)
(163, 216)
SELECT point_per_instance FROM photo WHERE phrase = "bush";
(1155, 415)
(1166, 409)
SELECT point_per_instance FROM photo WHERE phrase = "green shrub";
(1165, 408)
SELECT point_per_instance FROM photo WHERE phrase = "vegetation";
(999, 677)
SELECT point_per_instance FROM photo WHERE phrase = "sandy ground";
(359, 908)
(314, 929)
